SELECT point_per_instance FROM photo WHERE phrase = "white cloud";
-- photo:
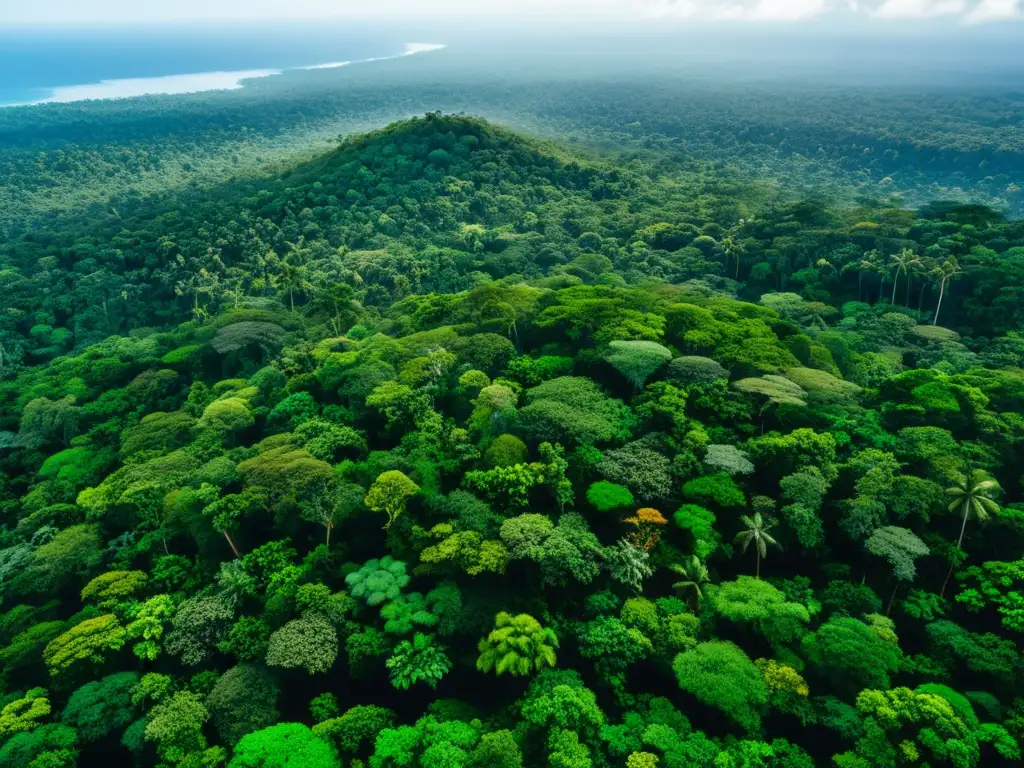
(787, 10)
(731, 10)
(993, 10)
(100, 11)
(918, 9)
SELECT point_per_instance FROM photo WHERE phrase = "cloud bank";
(967, 11)
(871, 11)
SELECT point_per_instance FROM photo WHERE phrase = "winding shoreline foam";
(126, 88)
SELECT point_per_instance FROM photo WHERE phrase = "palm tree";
(731, 250)
(949, 270)
(294, 279)
(870, 263)
(757, 532)
(922, 268)
(971, 495)
(694, 573)
(904, 261)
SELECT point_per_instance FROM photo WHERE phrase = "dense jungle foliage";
(456, 448)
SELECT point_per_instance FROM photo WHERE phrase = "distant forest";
(916, 143)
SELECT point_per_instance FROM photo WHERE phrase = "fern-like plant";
(518, 645)
(418, 661)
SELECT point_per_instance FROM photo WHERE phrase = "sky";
(749, 11)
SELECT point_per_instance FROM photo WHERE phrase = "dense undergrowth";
(451, 448)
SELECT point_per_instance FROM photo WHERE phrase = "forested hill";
(443, 203)
(455, 448)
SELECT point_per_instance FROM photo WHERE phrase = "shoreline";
(197, 82)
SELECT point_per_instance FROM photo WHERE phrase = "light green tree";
(518, 645)
(88, 641)
(283, 746)
(389, 494)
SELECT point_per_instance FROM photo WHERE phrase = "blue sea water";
(39, 64)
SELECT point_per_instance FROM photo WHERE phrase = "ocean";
(39, 65)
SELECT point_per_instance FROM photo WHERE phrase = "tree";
(758, 604)
(609, 497)
(732, 249)
(563, 551)
(378, 580)
(983, 653)
(847, 653)
(557, 699)
(721, 675)
(418, 660)
(293, 277)
(901, 548)
(642, 466)
(901, 722)
(431, 741)
(310, 643)
(230, 414)
(406, 613)
(229, 512)
(389, 494)
(823, 388)
(628, 564)
(199, 624)
(335, 301)
(22, 714)
(237, 336)
(718, 490)
(728, 459)
(637, 360)
(572, 409)
(776, 390)
(283, 746)
(102, 706)
(113, 587)
(48, 746)
(696, 372)
(71, 553)
(613, 647)
(337, 501)
(945, 272)
(356, 728)
(505, 451)
(694, 573)
(904, 262)
(242, 701)
(44, 420)
(518, 645)
(757, 533)
(87, 642)
(498, 749)
(971, 495)
(176, 726)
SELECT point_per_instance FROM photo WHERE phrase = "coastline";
(198, 82)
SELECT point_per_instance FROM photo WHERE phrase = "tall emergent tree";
(757, 534)
(971, 494)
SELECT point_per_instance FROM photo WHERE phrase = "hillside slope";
(420, 205)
